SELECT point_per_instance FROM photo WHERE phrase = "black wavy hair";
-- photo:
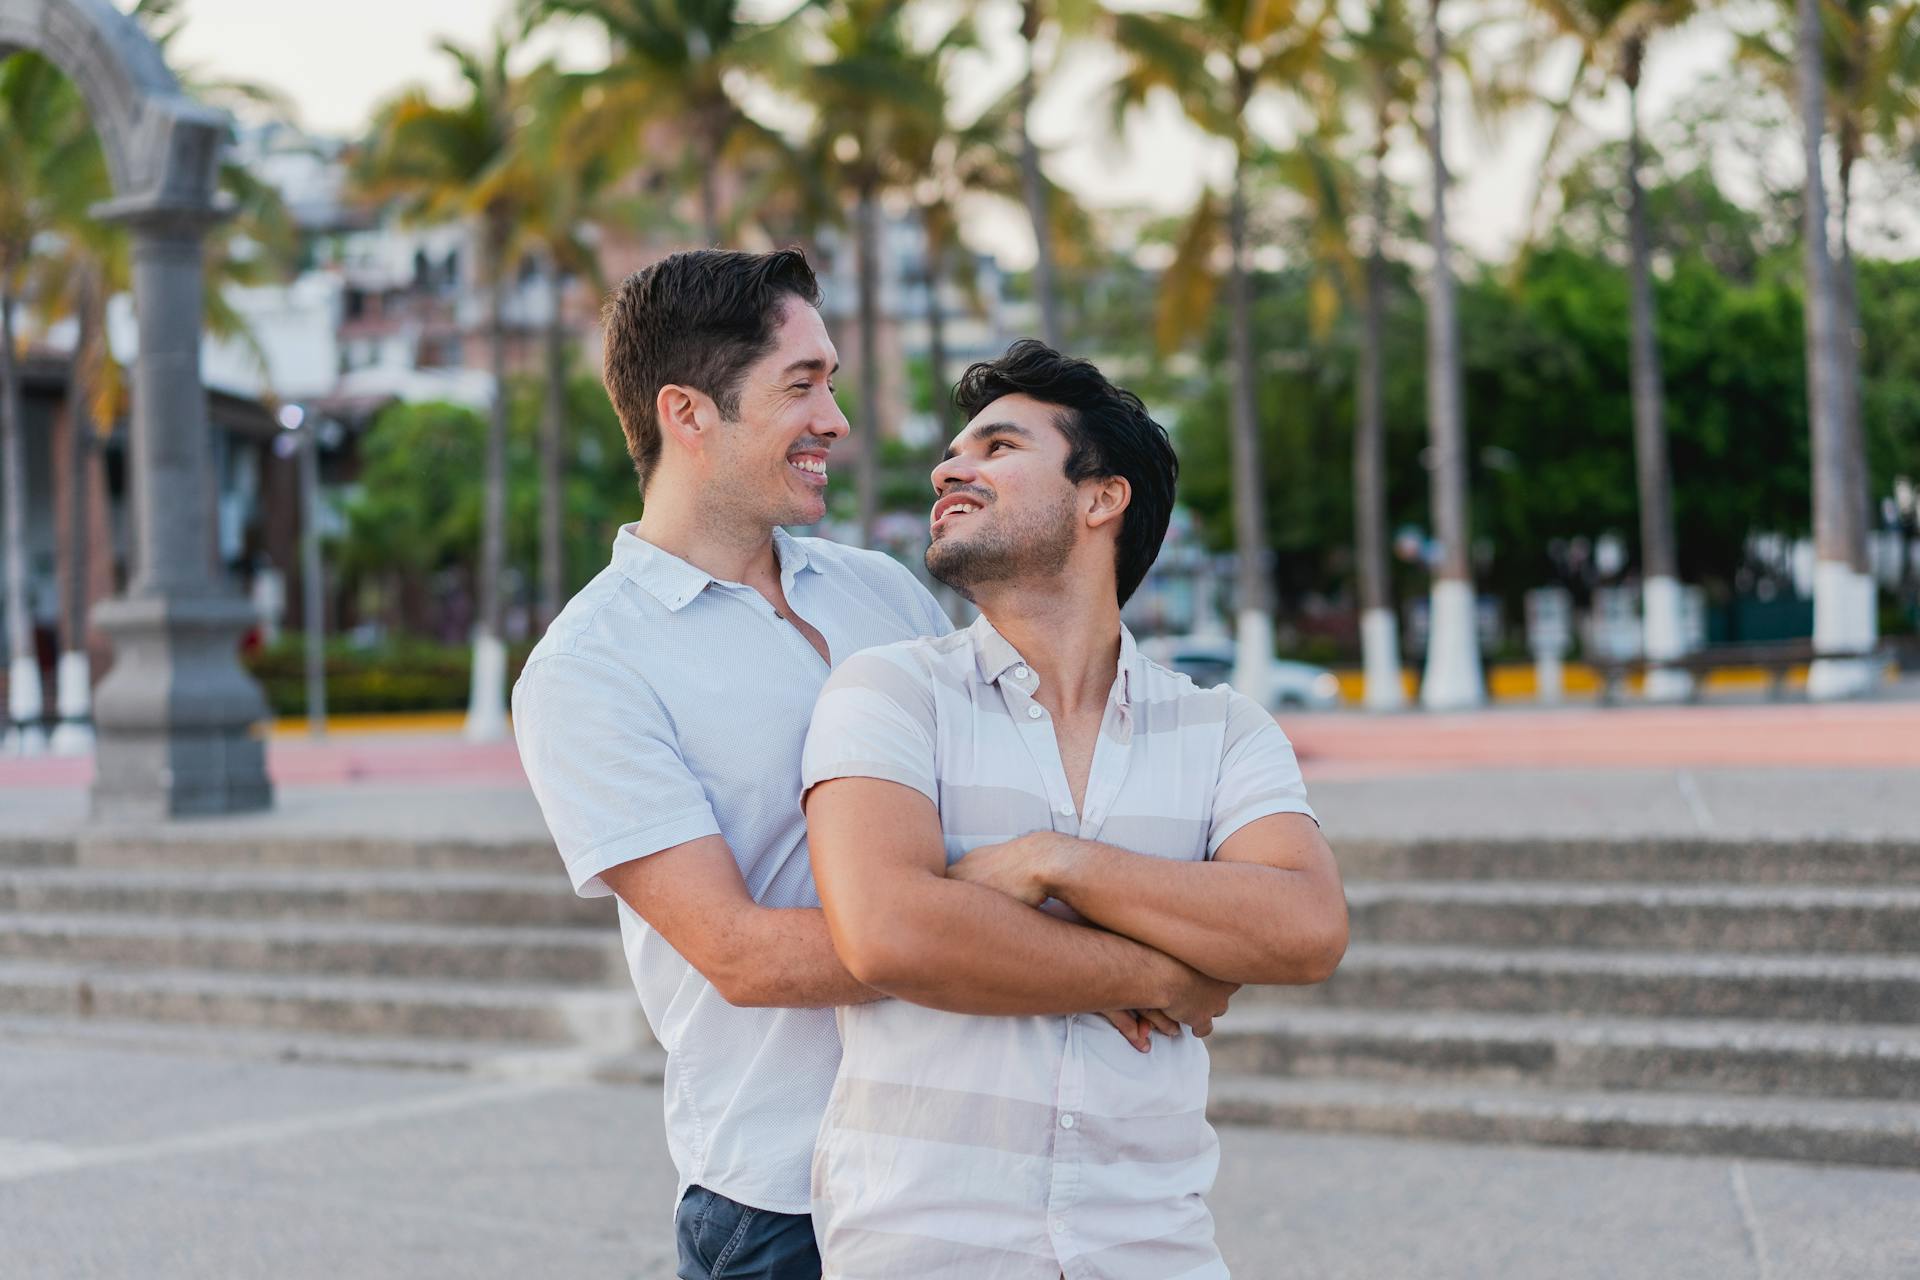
(1108, 431)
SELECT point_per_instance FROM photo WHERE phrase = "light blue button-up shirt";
(664, 705)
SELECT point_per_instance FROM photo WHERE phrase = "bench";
(1776, 658)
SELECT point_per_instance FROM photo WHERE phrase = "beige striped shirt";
(957, 1147)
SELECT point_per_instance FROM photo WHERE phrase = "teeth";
(814, 465)
(960, 508)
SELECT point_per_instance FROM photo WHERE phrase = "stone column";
(180, 722)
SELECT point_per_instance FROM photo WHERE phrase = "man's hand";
(1019, 868)
(1200, 1000)
(1138, 1025)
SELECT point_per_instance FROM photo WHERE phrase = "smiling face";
(770, 463)
(1006, 509)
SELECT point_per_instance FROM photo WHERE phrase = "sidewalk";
(175, 1168)
(1780, 770)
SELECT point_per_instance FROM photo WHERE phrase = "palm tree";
(1833, 526)
(674, 61)
(1452, 676)
(461, 161)
(1387, 57)
(874, 90)
(1065, 20)
(1611, 37)
(1214, 62)
(50, 164)
(1871, 67)
(569, 172)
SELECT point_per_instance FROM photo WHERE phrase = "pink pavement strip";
(306, 762)
(1332, 745)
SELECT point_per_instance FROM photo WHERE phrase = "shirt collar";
(994, 656)
(674, 582)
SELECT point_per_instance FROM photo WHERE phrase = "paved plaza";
(174, 1167)
(164, 1160)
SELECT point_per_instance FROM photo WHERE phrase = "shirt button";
(1066, 811)
(1020, 672)
(1034, 713)
(1058, 1226)
(1066, 1121)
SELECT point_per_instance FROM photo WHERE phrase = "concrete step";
(1850, 988)
(1757, 1058)
(491, 1058)
(32, 851)
(459, 953)
(603, 1019)
(1743, 918)
(421, 897)
(196, 845)
(1881, 863)
(1776, 1128)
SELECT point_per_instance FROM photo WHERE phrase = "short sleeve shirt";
(664, 705)
(962, 1147)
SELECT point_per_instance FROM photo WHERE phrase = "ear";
(1109, 500)
(686, 414)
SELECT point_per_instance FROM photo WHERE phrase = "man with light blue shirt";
(661, 718)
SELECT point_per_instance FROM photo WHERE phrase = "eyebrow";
(815, 365)
(986, 431)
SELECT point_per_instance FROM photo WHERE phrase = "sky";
(337, 59)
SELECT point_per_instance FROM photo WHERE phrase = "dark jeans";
(724, 1240)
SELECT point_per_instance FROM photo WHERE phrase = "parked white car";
(1208, 661)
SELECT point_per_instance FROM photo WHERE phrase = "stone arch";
(175, 717)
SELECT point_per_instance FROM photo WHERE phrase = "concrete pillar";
(179, 720)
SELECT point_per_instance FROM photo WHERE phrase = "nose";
(833, 423)
(952, 471)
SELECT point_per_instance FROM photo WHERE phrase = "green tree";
(675, 62)
(463, 161)
(1214, 62)
(878, 95)
(50, 165)
(1612, 37)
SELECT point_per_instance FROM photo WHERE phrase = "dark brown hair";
(697, 320)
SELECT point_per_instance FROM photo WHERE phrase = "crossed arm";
(905, 928)
(1267, 909)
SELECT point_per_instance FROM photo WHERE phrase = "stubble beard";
(1035, 546)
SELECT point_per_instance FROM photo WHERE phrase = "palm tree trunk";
(1833, 569)
(709, 182)
(1253, 656)
(73, 678)
(553, 427)
(1379, 628)
(486, 706)
(1453, 644)
(1866, 605)
(866, 465)
(942, 394)
(1660, 579)
(1034, 189)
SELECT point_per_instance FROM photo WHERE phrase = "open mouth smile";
(812, 468)
(953, 507)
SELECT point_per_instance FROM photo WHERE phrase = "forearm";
(967, 949)
(1238, 922)
(784, 959)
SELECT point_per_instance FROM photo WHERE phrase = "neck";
(1067, 629)
(680, 523)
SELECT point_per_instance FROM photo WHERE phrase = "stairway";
(1738, 999)
(445, 955)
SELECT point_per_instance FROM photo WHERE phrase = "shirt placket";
(1035, 727)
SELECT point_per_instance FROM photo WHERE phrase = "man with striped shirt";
(973, 801)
